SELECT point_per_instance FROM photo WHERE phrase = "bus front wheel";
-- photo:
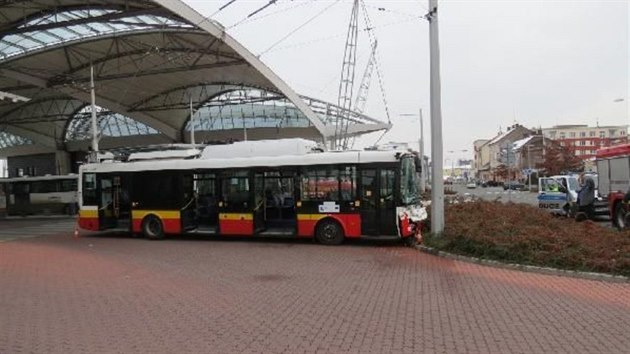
(329, 232)
(152, 228)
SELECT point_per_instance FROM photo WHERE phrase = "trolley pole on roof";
(437, 179)
(93, 106)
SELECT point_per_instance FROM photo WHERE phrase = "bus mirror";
(299, 203)
(357, 203)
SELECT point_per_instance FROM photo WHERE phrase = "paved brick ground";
(115, 294)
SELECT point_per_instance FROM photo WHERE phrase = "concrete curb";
(526, 268)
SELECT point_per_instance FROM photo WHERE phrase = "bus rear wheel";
(621, 217)
(152, 228)
(329, 232)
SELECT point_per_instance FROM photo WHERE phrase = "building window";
(562, 143)
(562, 136)
(622, 133)
(602, 134)
(552, 135)
(572, 135)
(612, 132)
(591, 133)
(582, 134)
(578, 152)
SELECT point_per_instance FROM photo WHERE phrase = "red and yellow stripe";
(88, 219)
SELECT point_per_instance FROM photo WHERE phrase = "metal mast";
(95, 137)
(364, 88)
(346, 84)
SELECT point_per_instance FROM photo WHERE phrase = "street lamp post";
(529, 168)
(437, 172)
(423, 173)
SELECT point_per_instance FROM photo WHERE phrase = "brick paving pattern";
(115, 294)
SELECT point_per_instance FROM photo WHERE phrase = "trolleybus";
(279, 188)
(42, 195)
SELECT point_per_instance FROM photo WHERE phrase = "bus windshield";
(408, 182)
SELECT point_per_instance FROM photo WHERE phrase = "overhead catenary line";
(298, 28)
(271, 2)
(221, 8)
(247, 19)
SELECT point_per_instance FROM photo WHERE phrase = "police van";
(557, 193)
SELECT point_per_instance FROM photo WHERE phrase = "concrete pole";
(423, 172)
(192, 123)
(437, 156)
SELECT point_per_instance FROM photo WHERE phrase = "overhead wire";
(247, 19)
(298, 28)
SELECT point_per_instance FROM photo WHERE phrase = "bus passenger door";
(387, 204)
(236, 215)
(189, 203)
(274, 203)
(21, 198)
(106, 205)
(378, 208)
(369, 202)
(207, 214)
(114, 208)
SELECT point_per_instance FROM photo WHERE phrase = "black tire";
(152, 228)
(621, 217)
(329, 232)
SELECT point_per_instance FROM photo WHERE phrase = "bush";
(520, 233)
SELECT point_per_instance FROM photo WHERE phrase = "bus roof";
(613, 151)
(318, 158)
(39, 178)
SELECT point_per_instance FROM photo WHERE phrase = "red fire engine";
(613, 168)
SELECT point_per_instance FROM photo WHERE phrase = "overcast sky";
(539, 63)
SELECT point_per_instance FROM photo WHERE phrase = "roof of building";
(517, 145)
(505, 134)
(150, 60)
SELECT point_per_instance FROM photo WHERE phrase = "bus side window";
(236, 187)
(348, 184)
(321, 184)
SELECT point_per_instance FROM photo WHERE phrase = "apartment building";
(584, 141)
(488, 152)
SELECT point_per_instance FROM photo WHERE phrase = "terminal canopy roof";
(150, 59)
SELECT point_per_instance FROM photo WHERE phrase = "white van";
(557, 193)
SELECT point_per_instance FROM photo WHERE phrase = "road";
(110, 293)
(497, 193)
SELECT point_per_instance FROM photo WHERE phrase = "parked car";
(513, 185)
(471, 185)
(492, 184)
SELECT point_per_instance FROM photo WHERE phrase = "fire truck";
(613, 167)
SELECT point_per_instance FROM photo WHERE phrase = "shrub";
(524, 234)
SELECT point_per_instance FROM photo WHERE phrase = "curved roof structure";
(150, 59)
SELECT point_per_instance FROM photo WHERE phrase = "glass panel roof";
(23, 40)
(8, 140)
(110, 124)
